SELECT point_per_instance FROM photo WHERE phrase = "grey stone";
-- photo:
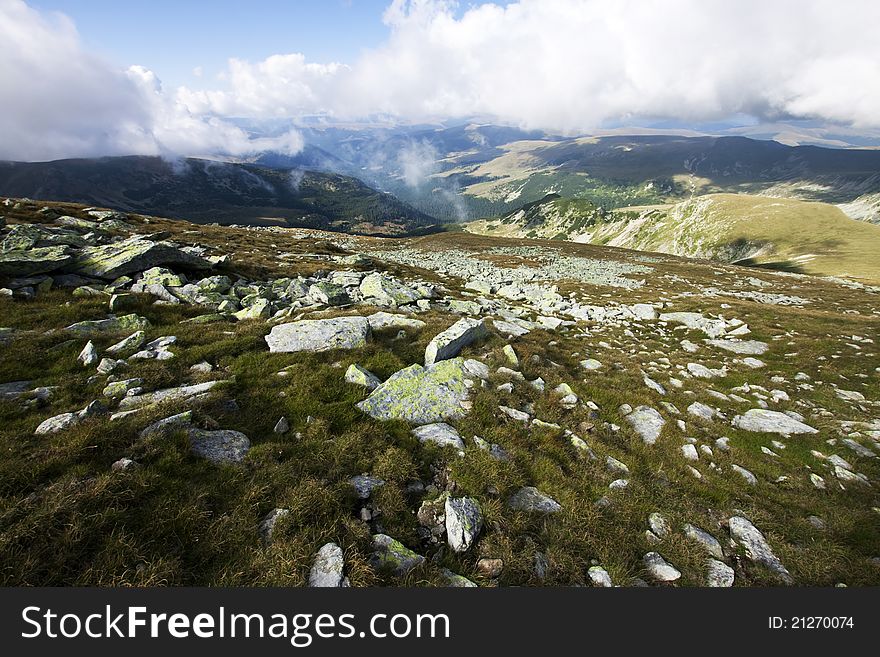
(464, 520)
(757, 549)
(659, 569)
(647, 423)
(392, 555)
(327, 569)
(766, 421)
(530, 498)
(319, 335)
(221, 446)
(450, 342)
(440, 434)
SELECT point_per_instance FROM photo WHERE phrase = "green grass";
(66, 519)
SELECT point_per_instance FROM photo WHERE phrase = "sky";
(95, 77)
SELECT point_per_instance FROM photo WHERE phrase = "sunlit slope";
(801, 236)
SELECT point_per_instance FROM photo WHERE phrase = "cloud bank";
(560, 65)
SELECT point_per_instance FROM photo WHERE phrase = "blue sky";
(172, 37)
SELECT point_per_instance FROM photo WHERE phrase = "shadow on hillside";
(777, 265)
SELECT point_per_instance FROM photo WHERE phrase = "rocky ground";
(198, 405)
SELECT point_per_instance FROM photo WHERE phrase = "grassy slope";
(66, 519)
(802, 236)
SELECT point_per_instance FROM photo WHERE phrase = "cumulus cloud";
(560, 65)
(58, 100)
(572, 65)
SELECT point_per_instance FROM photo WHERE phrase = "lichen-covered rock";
(121, 388)
(109, 261)
(383, 320)
(221, 446)
(34, 261)
(448, 343)
(327, 569)
(162, 276)
(529, 498)
(385, 291)
(131, 343)
(319, 335)
(464, 520)
(421, 395)
(440, 434)
(260, 309)
(89, 355)
(329, 294)
(393, 556)
(110, 325)
(647, 422)
(762, 420)
(362, 377)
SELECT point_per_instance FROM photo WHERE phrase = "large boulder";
(34, 261)
(762, 420)
(450, 342)
(135, 254)
(319, 335)
(422, 395)
(385, 291)
(110, 325)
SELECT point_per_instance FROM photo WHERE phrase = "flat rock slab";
(764, 421)
(34, 261)
(319, 335)
(110, 261)
(451, 341)
(221, 446)
(647, 422)
(167, 395)
(741, 347)
(110, 325)
(421, 395)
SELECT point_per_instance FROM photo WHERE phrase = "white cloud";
(571, 65)
(562, 65)
(417, 161)
(58, 100)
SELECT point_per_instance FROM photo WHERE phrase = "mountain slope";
(208, 191)
(808, 237)
(618, 171)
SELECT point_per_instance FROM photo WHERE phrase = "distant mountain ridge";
(208, 191)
